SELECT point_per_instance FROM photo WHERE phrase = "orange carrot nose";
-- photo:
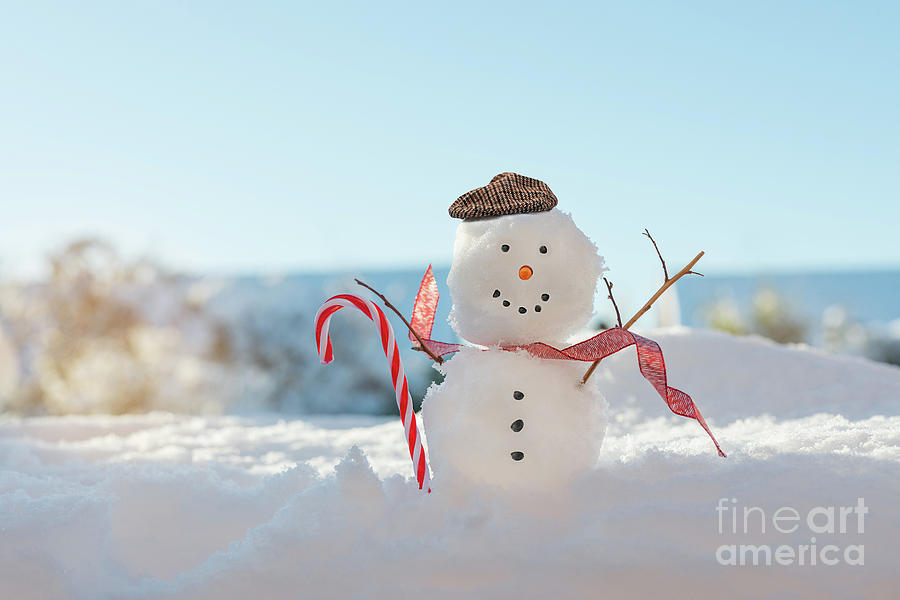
(525, 272)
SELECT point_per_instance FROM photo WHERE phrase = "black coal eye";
(505, 247)
(543, 249)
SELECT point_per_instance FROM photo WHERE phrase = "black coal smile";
(545, 297)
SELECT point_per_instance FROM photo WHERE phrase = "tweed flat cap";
(506, 194)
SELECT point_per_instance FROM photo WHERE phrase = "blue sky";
(225, 137)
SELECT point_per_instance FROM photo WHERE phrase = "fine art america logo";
(820, 520)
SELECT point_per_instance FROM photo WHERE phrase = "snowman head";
(526, 274)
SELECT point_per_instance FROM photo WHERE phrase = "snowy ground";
(166, 506)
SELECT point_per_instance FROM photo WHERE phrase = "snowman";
(514, 409)
(522, 271)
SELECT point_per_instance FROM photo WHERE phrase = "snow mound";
(163, 506)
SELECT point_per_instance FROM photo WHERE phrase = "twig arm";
(666, 285)
(387, 303)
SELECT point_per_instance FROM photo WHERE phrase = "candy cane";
(401, 387)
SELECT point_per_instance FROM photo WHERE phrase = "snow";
(166, 506)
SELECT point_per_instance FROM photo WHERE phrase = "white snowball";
(493, 305)
(469, 420)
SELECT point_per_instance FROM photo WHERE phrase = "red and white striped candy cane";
(401, 387)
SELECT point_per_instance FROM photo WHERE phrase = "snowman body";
(509, 419)
(502, 416)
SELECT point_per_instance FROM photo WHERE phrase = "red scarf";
(649, 355)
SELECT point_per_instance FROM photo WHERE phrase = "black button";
(537, 308)
(496, 293)
(517, 425)
(518, 395)
(506, 303)
(545, 297)
(523, 310)
(517, 455)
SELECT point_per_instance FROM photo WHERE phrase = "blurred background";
(181, 184)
